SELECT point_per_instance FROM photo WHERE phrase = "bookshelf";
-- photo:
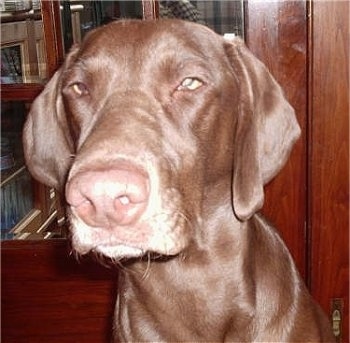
(31, 50)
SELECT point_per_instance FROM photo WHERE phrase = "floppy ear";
(265, 133)
(46, 137)
(46, 140)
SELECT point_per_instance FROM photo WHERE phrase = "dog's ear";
(265, 133)
(47, 143)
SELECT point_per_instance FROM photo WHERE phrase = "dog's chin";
(114, 252)
(119, 251)
(116, 244)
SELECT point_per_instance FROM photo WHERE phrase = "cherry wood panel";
(329, 154)
(54, 55)
(53, 34)
(150, 9)
(47, 296)
(20, 92)
(277, 34)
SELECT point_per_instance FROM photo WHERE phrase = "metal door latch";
(337, 311)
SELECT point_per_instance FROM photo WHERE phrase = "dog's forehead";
(127, 50)
(130, 36)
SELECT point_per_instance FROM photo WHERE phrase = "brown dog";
(164, 135)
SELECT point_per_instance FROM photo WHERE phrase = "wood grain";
(48, 296)
(277, 34)
(329, 154)
(53, 35)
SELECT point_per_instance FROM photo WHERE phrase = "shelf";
(20, 91)
(10, 174)
(32, 49)
(8, 17)
(29, 223)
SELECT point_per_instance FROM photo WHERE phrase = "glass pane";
(17, 199)
(23, 58)
(79, 17)
(16, 202)
(224, 17)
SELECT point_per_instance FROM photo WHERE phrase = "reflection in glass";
(16, 183)
(11, 64)
(23, 58)
(79, 17)
(16, 202)
(221, 16)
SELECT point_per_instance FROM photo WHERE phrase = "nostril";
(109, 197)
(124, 200)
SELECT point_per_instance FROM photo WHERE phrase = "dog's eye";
(79, 88)
(190, 83)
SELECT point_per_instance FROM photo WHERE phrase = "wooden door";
(305, 45)
(328, 147)
(276, 32)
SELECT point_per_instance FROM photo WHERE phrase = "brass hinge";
(337, 316)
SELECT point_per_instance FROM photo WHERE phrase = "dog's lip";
(137, 250)
(118, 250)
(115, 243)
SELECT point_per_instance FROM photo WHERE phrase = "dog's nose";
(106, 198)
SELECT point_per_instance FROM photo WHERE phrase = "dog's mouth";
(125, 210)
(118, 251)
(160, 229)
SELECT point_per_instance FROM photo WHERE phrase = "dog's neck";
(215, 243)
(183, 281)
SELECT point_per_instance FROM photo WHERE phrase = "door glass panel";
(224, 17)
(23, 58)
(28, 210)
(17, 199)
(79, 17)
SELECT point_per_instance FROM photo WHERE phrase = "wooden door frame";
(276, 32)
(328, 156)
(305, 45)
